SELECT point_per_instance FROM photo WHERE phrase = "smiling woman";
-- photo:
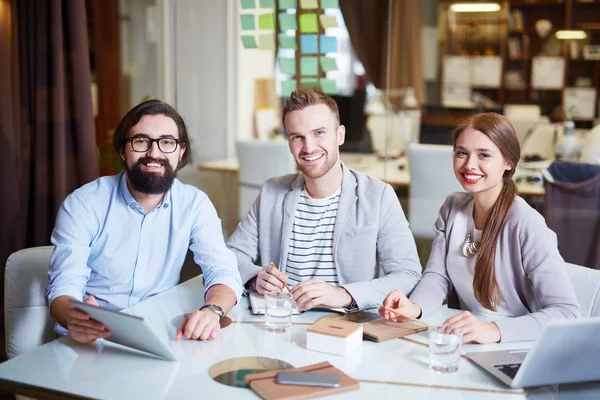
(492, 252)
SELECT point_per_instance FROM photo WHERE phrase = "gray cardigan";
(529, 270)
(370, 231)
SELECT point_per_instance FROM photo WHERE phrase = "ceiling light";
(565, 35)
(475, 7)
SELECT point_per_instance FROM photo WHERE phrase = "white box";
(334, 336)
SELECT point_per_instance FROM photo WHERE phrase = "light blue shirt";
(107, 247)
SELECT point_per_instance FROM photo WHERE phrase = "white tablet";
(128, 330)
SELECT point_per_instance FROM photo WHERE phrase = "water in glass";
(278, 311)
(444, 351)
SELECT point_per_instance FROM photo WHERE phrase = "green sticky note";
(310, 82)
(266, 41)
(287, 42)
(287, 21)
(329, 86)
(287, 66)
(328, 21)
(287, 87)
(309, 66)
(247, 22)
(328, 64)
(308, 4)
(330, 4)
(287, 4)
(249, 42)
(248, 4)
(266, 21)
(308, 23)
(267, 3)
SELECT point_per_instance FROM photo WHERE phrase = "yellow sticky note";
(328, 21)
(308, 4)
(308, 23)
(266, 42)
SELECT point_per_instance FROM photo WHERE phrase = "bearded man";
(122, 239)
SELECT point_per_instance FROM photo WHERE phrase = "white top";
(461, 269)
(310, 253)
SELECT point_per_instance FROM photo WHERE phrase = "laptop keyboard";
(509, 369)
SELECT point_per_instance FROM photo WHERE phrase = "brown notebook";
(382, 330)
(264, 384)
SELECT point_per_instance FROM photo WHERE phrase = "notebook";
(263, 384)
(382, 330)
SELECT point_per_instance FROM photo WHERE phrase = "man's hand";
(314, 292)
(269, 280)
(201, 324)
(473, 329)
(81, 327)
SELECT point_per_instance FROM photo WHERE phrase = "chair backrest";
(260, 161)
(27, 321)
(586, 282)
(431, 181)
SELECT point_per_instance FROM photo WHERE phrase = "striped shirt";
(311, 246)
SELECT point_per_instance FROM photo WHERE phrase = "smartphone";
(307, 379)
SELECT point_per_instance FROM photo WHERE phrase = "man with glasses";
(121, 239)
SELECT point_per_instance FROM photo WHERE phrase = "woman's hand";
(396, 300)
(473, 329)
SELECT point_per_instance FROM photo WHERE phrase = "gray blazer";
(370, 231)
(530, 272)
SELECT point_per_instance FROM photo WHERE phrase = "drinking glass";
(444, 350)
(278, 311)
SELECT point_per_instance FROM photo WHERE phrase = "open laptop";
(565, 351)
(128, 330)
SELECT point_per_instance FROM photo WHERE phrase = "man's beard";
(325, 168)
(150, 182)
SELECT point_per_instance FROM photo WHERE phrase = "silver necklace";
(470, 247)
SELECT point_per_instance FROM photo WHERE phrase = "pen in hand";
(286, 285)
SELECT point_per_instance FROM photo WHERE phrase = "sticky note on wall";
(310, 82)
(329, 86)
(309, 66)
(249, 42)
(287, 66)
(287, 4)
(267, 3)
(266, 41)
(308, 23)
(287, 87)
(266, 21)
(330, 4)
(328, 44)
(308, 44)
(309, 4)
(287, 42)
(328, 21)
(287, 21)
(248, 4)
(328, 64)
(247, 22)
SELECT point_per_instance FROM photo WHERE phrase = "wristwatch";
(214, 308)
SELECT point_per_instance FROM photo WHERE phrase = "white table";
(392, 369)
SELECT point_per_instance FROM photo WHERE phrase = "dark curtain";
(47, 137)
(368, 22)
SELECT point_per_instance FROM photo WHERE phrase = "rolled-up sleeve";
(68, 271)
(218, 263)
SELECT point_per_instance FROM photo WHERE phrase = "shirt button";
(166, 206)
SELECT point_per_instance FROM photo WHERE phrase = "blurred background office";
(403, 72)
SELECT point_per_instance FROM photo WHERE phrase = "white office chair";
(27, 320)
(586, 282)
(431, 181)
(260, 161)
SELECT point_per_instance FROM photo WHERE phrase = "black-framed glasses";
(142, 144)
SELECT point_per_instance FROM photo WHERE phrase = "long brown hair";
(500, 131)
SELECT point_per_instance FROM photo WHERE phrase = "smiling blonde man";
(122, 239)
(328, 228)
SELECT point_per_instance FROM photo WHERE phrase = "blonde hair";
(303, 98)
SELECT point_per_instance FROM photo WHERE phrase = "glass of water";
(444, 350)
(278, 311)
